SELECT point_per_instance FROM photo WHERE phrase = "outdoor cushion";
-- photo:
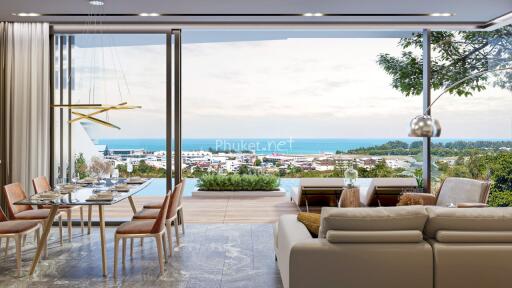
(13, 227)
(467, 219)
(136, 227)
(147, 214)
(39, 214)
(372, 219)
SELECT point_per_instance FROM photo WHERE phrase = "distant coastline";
(269, 145)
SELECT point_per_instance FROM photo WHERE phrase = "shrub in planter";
(218, 182)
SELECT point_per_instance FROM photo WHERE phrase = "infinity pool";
(157, 186)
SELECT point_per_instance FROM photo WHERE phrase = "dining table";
(84, 193)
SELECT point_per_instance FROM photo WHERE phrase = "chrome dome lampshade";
(425, 126)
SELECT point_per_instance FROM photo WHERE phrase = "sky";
(283, 87)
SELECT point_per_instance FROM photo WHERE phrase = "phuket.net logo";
(255, 145)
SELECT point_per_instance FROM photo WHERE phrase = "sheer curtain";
(27, 99)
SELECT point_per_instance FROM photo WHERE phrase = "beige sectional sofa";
(397, 247)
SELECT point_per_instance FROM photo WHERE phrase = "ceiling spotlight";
(96, 2)
(441, 14)
(149, 14)
(22, 14)
(309, 14)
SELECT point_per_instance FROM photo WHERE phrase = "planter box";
(219, 194)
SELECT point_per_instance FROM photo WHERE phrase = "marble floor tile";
(210, 255)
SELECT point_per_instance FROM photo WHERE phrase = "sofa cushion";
(467, 219)
(311, 221)
(474, 236)
(372, 219)
(405, 236)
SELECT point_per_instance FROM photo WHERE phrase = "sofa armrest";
(289, 232)
(428, 199)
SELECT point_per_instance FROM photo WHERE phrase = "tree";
(456, 56)
(257, 162)
(81, 168)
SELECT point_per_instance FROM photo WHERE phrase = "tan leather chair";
(14, 193)
(472, 247)
(180, 216)
(41, 185)
(462, 192)
(171, 216)
(142, 229)
(17, 230)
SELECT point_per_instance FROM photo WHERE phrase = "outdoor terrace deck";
(212, 210)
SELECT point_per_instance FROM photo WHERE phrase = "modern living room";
(255, 144)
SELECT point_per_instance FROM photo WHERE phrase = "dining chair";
(17, 230)
(158, 204)
(170, 218)
(14, 193)
(141, 229)
(41, 185)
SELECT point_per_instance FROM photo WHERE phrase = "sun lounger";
(319, 192)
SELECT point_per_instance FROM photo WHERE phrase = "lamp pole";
(427, 84)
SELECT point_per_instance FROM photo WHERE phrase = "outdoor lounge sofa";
(395, 247)
(324, 192)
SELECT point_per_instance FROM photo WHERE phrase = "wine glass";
(129, 168)
(76, 177)
(114, 177)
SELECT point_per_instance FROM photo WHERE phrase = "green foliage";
(143, 170)
(257, 162)
(456, 55)
(500, 199)
(380, 169)
(81, 168)
(218, 182)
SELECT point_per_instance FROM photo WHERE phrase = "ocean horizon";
(267, 145)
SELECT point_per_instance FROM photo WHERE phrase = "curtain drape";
(3, 170)
(27, 98)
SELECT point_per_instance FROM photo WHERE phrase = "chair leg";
(82, 219)
(116, 248)
(181, 220)
(18, 255)
(158, 239)
(124, 252)
(169, 237)
(177, 232)
(70, 224)
(6, 246)
(60, 229)
(23, 240)
(89, 219)
(131, 247)
(141, 242)
(164, 242)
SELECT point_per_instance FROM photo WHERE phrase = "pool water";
(157, 186)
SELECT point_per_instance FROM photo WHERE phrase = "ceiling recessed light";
(96, 2)
(441, 14)
(309, 14)
(23, 14)
(149, 14)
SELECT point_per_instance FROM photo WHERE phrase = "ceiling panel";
(465, 11)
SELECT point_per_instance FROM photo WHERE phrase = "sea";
(266, 145)
(260, 146)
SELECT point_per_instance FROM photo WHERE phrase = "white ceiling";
(467, 12)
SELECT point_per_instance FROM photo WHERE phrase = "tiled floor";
(210, 255)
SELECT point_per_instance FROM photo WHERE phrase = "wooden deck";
(212, 210)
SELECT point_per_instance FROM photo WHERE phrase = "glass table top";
(87, 194)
